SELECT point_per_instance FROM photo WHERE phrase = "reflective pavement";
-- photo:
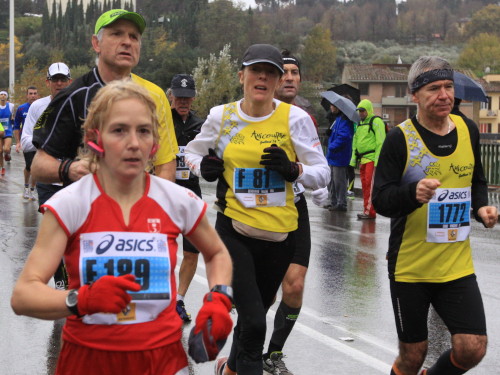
(346, 325)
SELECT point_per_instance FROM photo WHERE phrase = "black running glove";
(277, 160)
(211, 167)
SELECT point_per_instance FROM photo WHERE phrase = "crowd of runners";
(116, 164)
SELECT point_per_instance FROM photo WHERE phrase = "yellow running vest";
(435, 245)
(265, 200)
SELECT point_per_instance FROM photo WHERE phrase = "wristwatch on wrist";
(72, 301)
(224, 289)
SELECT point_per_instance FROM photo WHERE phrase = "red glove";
(107, 295)
(213, 325)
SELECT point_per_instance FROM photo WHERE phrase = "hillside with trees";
(325, 34)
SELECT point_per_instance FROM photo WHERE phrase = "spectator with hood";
(366, 145)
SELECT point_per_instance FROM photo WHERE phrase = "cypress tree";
(46, 29)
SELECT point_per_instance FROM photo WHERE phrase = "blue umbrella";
(468, 89)
(343, 104)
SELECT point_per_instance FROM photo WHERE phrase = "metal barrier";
(490, 157)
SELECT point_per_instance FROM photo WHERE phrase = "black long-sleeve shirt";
(394, 200)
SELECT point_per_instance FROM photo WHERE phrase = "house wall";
(491, 116)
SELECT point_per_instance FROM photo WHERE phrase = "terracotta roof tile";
(377, 72)
(399, 72)
(489, 86)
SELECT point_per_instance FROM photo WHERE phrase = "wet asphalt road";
(346, 325)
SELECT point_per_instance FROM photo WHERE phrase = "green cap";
(113, 15)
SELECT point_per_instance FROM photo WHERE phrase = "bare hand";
(426, 188)
(18, 147)
(78, 169)
(489, 215)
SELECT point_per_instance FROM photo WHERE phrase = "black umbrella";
(468, 89)
(343, 89)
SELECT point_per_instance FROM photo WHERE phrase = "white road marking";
(332, 343)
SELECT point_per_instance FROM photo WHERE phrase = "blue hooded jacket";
(340, 142)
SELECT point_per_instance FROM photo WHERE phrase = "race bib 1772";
(449, 215)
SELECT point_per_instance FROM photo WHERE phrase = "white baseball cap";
(58, 68)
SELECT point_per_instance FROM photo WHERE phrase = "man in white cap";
(57, 134)
(58, 78)
(6, 121)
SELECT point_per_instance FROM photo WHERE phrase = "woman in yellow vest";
(429, 176)
(256, 147)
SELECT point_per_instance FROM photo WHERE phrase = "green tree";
(221, 18)
(181, 20)
(216, 81)
(319, 55)
(32, 75)
(480, 52)
(486, 20)
(4, 50)
(46, 31)
(27, 26)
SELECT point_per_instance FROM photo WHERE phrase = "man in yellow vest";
(429, 176)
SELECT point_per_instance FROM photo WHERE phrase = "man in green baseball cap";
(57, 134)
(113, 15)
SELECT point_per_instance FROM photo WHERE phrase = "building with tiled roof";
(489, 115)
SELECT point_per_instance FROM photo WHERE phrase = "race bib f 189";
(144, 255)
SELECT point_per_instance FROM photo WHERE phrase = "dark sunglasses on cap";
(59, 79)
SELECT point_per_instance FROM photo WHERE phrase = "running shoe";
(268, 366)
(220, 365)
(32, 195)
(26, 194)
(181, 310)
(7, 157)
(350, 194)
(365, 217)
(274, 365)
(3, 171)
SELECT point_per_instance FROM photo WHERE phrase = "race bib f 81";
(449, 215)
(259, 187)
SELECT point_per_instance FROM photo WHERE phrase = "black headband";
(291, 60)
(431, 76)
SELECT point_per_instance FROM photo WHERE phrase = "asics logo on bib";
(453, 195)
(124, 244)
